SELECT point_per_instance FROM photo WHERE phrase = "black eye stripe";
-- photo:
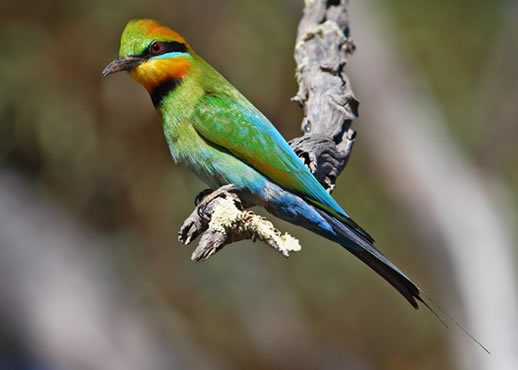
(167, 47)
(173, 46)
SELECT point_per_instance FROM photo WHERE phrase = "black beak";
(123, 64)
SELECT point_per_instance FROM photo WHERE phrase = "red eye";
(156, 47)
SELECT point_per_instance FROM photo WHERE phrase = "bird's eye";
(156, 47)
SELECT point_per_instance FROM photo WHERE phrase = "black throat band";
(160, 92)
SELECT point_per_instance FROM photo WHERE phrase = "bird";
(212, 129)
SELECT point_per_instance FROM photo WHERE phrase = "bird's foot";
(201, 195)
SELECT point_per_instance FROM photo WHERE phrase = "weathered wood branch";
(321, 51)
(223, 219)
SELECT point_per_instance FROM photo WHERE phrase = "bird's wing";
(246, 133)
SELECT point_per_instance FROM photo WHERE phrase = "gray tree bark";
(322, 48)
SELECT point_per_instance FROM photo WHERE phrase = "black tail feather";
(406, 287)
(362, 248)
(450, 319)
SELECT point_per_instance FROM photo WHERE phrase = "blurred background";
(92, 275)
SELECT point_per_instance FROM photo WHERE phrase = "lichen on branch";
(222, 219)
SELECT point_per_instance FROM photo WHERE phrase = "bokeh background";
(92, 273)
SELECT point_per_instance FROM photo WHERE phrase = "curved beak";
(122, 64)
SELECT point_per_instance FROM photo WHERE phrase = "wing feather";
(244, 131)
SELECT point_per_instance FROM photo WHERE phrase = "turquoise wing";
(246, 133)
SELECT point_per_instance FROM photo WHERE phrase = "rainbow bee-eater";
(214, 130)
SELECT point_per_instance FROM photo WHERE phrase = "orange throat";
(155, 72)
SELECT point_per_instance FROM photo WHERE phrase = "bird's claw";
(201, 195)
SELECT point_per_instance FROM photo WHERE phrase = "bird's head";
(152, 53)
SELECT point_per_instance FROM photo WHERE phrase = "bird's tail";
(352, 237)
(362, 248)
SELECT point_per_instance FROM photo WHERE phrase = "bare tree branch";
(322, 48)
(229, 222)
